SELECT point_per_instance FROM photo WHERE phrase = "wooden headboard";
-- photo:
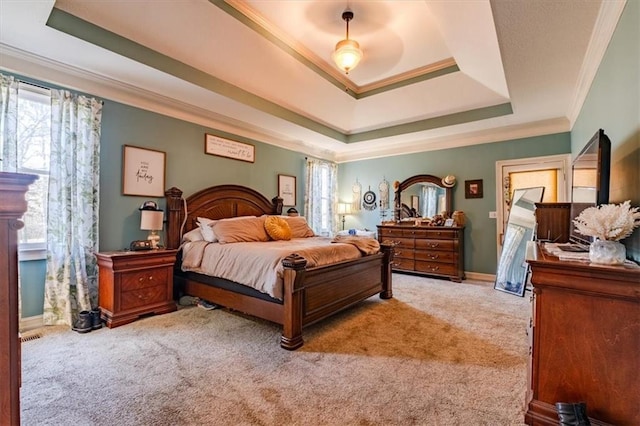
(215, 202)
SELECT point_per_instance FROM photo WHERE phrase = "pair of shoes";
(87, 321)
(206, 305)
(83, 323)
(572, 414)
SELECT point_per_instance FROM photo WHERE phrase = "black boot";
(572, 414)
(96, 321)
(83, 322)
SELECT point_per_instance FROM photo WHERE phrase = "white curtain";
(72, 228)
(321, 197)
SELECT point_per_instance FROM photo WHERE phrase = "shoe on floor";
(188, 301)
(83, 323)
(206, 305)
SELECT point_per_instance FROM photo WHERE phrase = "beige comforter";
(259, 264)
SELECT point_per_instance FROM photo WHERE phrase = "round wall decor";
(369, 200)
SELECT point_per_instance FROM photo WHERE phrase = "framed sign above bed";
(216, 145)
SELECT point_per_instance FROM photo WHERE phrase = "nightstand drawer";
(145, 278)
(143, 297)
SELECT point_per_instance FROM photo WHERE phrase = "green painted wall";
(188, 167)
(613, 104)
(466, 163)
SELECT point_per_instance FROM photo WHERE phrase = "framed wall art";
(217, 145)
(473, 188)
(143, 171)
(287, 189)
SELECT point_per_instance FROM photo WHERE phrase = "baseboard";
(31, 323)
(480, 277)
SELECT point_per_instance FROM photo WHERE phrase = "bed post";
(387, 251)
(294, 269)
(174, 217)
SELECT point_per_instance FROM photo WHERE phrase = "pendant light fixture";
(347, 54)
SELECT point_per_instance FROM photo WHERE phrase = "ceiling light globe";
(347, 55)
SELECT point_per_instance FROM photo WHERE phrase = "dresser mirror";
(423, 196)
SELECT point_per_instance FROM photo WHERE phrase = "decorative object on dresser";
(13, 187)
(420, 247)
(151, 218)
(584, 339)
(308, 294)
(135, 283)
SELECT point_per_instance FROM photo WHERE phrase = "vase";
(606, 252)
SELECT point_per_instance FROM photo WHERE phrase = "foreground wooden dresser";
(135, 283)
(586, 340)
(13, 187)
(428, 250)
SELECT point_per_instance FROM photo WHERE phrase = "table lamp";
(151, 219)
(344, 209)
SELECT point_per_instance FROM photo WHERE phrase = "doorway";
(550, 172)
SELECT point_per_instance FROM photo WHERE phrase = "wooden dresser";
(586, 340)
(135, 283)
(13, 187)
(428, 250)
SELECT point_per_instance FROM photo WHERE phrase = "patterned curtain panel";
(9, 138)
(72, 228)
(8, 123)
(321, 197)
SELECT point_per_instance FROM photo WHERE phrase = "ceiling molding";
(252, 19)
(91, 33)
(605, 26)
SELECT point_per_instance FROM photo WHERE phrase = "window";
(34, 142)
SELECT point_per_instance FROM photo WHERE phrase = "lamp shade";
(344, 208)
(151, 220)
(347, 55)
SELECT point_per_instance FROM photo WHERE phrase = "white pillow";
(206, 228)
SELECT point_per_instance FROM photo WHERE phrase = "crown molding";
(605, 26)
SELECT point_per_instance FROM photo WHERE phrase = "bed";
(309, 294)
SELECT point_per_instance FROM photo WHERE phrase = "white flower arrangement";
(611, 222)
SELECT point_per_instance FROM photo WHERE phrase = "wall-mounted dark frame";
(473, 188)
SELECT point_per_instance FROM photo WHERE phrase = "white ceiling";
(435, 74)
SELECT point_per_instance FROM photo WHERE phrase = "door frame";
(560, 162)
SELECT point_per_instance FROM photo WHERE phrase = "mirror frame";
(448, 198)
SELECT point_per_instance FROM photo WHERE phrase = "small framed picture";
(448, 222)
(143, 171)
(287, 189)
(473, 188)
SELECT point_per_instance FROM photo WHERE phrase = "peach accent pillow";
(277, 228)
(240, 230)
(299, 227)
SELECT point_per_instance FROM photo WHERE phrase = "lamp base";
(155, 239)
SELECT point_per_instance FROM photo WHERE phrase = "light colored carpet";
(439, 353)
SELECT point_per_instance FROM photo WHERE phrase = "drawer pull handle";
(434, 268)
(434, 256)
(142, 278)
(141, 297)
(398, 252)
(434, 245)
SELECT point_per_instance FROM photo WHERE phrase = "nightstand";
(135, 283)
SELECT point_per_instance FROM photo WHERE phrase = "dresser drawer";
(406, 264)
(437, 234)
(435, 268)
(447, 245)
(146, 278)
(389, 233)
(143, 297)
(435, 256)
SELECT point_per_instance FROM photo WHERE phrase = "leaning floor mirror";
(511, 276)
